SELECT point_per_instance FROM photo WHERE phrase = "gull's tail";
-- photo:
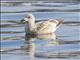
(60, 22)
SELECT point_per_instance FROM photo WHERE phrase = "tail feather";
(60, 23)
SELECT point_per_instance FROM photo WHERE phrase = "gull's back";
(48, 26)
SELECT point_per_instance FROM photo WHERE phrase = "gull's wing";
(39, 25)
(45, 27)
(48, 26)
(58, 22)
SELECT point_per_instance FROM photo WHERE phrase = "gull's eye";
(28, 17)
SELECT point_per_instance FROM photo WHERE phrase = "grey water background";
(63, 44)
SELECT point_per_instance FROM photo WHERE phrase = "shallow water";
(61, 45)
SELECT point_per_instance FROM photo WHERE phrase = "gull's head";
(28, 18)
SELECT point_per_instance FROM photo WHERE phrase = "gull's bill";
(24, 20)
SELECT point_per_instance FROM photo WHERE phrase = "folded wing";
(48, 26)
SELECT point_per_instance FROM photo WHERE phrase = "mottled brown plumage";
(42, 27)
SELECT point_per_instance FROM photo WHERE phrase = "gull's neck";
(32, 25)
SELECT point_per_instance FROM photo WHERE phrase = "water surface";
(61, 45)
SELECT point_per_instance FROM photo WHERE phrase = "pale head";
(29, 18)
(29, 21)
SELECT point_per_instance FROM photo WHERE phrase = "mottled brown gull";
(42, 27)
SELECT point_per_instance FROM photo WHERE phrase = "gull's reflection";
(51, 38)
(30, 46)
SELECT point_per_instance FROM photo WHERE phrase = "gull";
(47, 37)
(41, 27)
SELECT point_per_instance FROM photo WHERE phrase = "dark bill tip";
(22, 21)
